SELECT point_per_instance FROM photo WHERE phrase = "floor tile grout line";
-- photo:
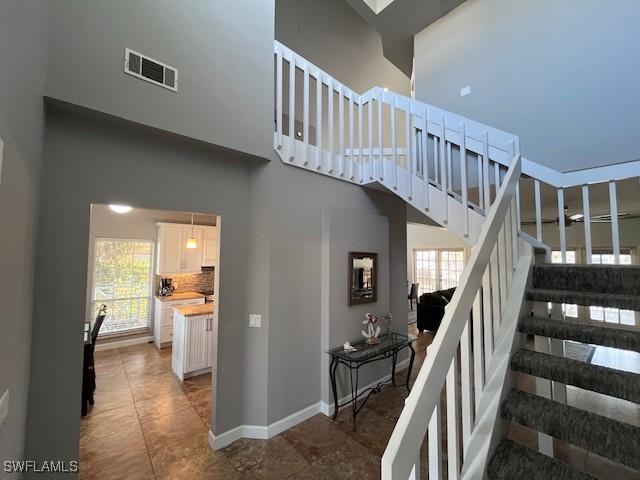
(144, 438)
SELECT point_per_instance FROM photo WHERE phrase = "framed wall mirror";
(363, 281)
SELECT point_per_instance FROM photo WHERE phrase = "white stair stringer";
(343, 168)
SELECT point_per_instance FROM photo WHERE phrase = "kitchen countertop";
(179, 296)
(195, 310)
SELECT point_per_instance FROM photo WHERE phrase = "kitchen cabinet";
(163, 316)
(193, 347)
(172, 254)
(210, 243)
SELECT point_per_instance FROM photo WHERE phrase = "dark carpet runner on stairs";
(595, 433)
(512, 461)
(580, 332)
(608, 381)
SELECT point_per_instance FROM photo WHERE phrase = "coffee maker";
(166, 287)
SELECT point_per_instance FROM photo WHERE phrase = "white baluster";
(478, 357)
(502, 271)
(341, 129)
(615, 231)
(352, 141)
(487, 317)
(319, 122)
(449, 167)
(538, 210)
(360, 141)
(485, 173)
(496, 316)
(587, 222)
(292, 108)
(480, 182)
(561, 225)
(425, 158)
(305, 115)
(394, 146)
(443, 171)
(380, 137)
(435, 444)
(279, 88)
(409, 154)
(370, 140)
(330, 132)
(453, 421)
(466, 386)
(463, 178)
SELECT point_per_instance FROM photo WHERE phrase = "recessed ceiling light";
(577, 216)
(120, 208)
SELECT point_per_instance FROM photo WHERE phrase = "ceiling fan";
(579, 218)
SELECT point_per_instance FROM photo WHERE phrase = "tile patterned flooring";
(148, 425)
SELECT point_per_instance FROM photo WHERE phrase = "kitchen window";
(437, 269)
(122, 279)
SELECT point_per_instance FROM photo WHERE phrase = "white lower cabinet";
(163, 319)
(192, 344)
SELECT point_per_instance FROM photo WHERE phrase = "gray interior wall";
(91, 158)
(219, 49)
(334, 37)
(561, 75)
(23, 37)
(299, 201)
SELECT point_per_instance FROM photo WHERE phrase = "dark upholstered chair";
(431, 309)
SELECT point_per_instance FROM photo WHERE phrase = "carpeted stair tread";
(613, 279)
(512, 461)
(595, 433)
(580, 332)
(615, 383)
(614, 300)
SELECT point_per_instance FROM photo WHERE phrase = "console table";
(390, 345)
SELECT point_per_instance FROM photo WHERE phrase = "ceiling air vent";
(150, 70)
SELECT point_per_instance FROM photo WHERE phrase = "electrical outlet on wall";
(464, 91)
(4, 407)
(255, 320)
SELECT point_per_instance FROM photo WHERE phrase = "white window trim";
(92, 301)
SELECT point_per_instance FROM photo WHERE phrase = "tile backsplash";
(191, 282)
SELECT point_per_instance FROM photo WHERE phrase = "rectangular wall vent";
(150, 70)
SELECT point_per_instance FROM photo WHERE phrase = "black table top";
(388, 342)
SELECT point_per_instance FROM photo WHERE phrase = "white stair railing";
(457, 364)
(468, 177)
(445, 165)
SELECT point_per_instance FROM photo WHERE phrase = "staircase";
(468, 177)
(620, 442)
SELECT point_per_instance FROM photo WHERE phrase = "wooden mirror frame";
(374, 278)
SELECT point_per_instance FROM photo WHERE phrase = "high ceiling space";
(397, 21)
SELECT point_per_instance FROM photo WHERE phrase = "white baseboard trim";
(327, 408)
(123, 343)
(261, 432)
(216, 442)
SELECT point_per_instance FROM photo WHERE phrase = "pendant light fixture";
(192, 243)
